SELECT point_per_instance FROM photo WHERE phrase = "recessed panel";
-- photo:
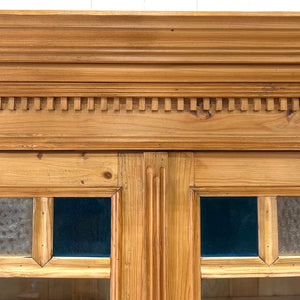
(82, 227)
(289, 225)
(229, 226)
(16, 226)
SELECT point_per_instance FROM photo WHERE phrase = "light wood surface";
(116, 246)
(175, 37)
(42, 235)
(178, 249)
(248, 169)
(156, 166)
(133, 259)
(241, 267)
(56, 268)
(268, 229)
(185, 81)
(36, 169)
(221, 89)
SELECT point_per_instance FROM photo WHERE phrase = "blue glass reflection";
(82, 227)
(229, 226)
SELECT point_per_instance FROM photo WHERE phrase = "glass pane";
(251, 288)
(82, 226)
(229, 226)
(54, 289)
(289, 225)
(16, 226)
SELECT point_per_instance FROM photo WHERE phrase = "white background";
(171, 5)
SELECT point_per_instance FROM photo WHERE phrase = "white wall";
(187, 5)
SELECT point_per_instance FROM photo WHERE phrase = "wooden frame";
(43, 264)
(238, 97)
(208, 89)
(267, 264)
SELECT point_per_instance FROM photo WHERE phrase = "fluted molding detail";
(155, 233)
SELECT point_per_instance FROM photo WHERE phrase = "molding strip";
(155, 220)
(151, 104)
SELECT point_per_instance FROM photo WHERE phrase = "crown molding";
(149, 38)
(133, 80)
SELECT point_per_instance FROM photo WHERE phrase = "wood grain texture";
(244, 190)
(133, 259)
(56, 268)
(260, 169)
(268, 229)
(240, 267)
(38, 169)
(160, 37)
(154, 104)
(42, 232)
(178, 249)
(64, 191)
(134, 129)
(233, 267)
(155, 220)
(195, 245)
(116, 247)
(40, 72)
(136, 89)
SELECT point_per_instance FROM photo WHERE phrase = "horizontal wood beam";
(41, 72)
(62, 267)
(149, 37)
(241, 267)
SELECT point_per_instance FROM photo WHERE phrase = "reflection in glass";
(289, 225)
(82, 227)
(251, 288)
(54, 289)
(229, 226)
(16, 226)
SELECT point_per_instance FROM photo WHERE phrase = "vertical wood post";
(268, 229)
(154, 211)
(179, 278)
(42, 236)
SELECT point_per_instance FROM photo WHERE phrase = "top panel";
(154, 81)
(151, 38)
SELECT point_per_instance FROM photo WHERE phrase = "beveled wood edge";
(197, 143)
(70, 267)
(267, 229)
(25, 191)
(116, 245)
(139, 89)
(234, 267)
(57, 267)
(144, 13)
(42, 229)
(195, 246)
(240, 267)
(255, 190)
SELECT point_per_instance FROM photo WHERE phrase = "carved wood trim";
(155, 210)
(155, 220)
(135, 81)
(152, 104)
